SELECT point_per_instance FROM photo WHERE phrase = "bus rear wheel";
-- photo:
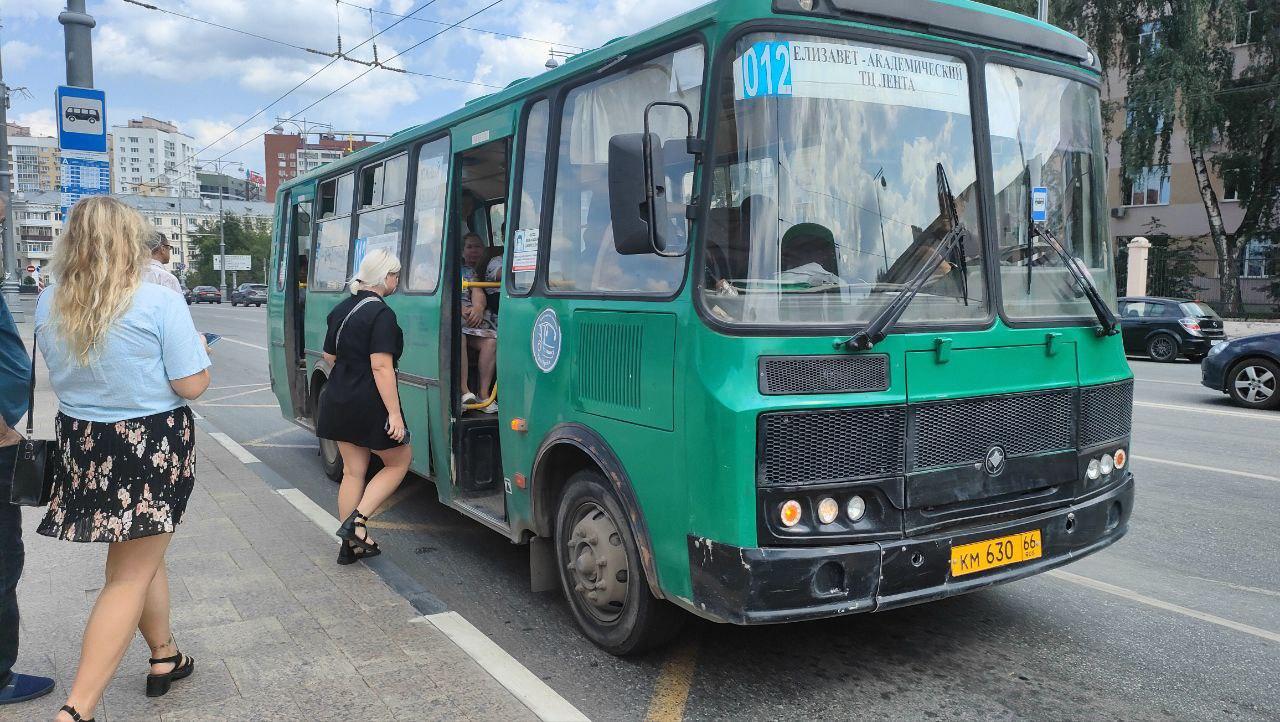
(601, 574)
(330, 457)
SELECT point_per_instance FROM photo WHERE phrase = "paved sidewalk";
(278, 630)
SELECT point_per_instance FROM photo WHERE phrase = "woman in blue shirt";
(124, 359)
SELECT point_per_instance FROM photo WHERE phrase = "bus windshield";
(1046, 150)
(825, 197)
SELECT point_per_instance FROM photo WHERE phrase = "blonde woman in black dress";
(124, 359)
(360, 404)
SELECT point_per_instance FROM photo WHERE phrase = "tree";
(1176, 58)
(245, 236)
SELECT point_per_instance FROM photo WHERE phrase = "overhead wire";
(466, 27)
(286, 94)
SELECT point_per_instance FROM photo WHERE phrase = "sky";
(209, 80)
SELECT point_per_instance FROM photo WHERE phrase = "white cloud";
(41, 122)
(18, 54)
(33, 9)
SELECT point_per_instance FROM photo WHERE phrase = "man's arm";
(15, 376)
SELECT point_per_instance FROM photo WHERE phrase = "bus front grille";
(820, 446)
(962, 431)
(823, 374)
(1106, 413)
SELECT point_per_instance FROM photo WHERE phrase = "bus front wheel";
(601, 574)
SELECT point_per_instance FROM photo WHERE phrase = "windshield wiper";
(1107, 324)
(954, 240)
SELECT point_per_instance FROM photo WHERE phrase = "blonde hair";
(374, 269)
(98, 262)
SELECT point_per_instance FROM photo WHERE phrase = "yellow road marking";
(671, 691)
(402, 526)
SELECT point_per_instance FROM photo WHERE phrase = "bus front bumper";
(785, 584)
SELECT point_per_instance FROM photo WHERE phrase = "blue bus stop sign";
(82, 119)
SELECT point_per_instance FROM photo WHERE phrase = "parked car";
(186, 293)
(206, 294)
(1166, 328)
(1246, 369)
(250, 294)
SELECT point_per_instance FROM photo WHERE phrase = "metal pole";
(11, 272)
(222, 245)
(1042, 10)
(77, 28)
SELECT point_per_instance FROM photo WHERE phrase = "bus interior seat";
(806, 243)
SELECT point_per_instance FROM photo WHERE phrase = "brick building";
(288, 155)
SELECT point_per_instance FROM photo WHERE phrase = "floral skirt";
(124, 480)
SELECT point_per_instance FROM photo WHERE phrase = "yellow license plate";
(992, 553)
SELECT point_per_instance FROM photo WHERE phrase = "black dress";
(351, 408)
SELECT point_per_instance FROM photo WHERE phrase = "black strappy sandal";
(361, 546)
(158, 684)
(75, 716)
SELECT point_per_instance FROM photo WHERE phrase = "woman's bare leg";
(154, 622)
(395, 464)
(487, 362)
(466, 389)
(355, 468)
(131, 567)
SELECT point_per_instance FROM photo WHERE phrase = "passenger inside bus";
(479, 325)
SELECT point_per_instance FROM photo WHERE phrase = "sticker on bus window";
(389, 242)
(836, 71)
(524, 256)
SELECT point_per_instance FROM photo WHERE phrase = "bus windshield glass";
(825, 196)
(1046, 151)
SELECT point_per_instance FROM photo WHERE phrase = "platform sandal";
(75, 716)
(362, 547)
(158, 684)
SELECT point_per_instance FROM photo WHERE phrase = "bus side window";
(428, 215)
(583, 256)
(526, 211)
(333, 239)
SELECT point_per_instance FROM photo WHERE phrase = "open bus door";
(295, 247)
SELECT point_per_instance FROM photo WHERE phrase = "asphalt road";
(1179, 620)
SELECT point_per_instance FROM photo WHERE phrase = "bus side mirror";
(637, 207)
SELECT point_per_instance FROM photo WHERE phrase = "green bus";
(803, 310)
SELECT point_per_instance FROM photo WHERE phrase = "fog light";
(1107, 465)
(856, 508)
(1120, 458)
(790, 513)
(828, 510)
(1094, 470)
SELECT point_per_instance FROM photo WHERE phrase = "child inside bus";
(479, 330)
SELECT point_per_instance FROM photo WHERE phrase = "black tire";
(330, 458)
(625, 618)
(1163, 348)
(219, 302)
(233, 304)
(1255, 384)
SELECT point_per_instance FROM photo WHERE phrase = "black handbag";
(32, 482)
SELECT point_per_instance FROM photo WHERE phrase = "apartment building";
(185, 220)
(34, 160)
(152, 157)
(288, 156)
(37, 223)
(1171, 195)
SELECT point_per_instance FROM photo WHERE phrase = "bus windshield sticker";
(546, 340)
(525, 255)
(389, 242)
(851, 72)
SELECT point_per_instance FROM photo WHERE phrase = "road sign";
(31, 269)
(1039, 204)
(234, 263)
(82, 119)
(83, 174)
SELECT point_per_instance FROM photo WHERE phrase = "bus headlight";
(790, 514)
(828, 510)
(856, 508)
(1120, 458)
(1107, 464)
(1094, 470)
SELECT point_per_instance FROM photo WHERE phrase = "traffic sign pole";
(9, 287)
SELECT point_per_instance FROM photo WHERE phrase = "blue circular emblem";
(546, 340)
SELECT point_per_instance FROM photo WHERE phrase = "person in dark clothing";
(360, 404)
(15, 377)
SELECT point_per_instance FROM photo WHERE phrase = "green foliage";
(244, 236)
(1171, 264)
(28, 281)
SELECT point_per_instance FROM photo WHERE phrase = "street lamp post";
(218, 165)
